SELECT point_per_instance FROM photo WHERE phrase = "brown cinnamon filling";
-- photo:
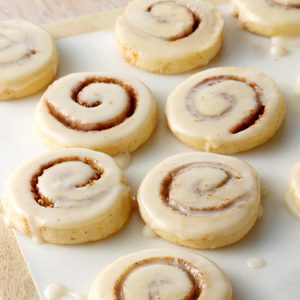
(77, 125)
(46, 202)
(253, 116)
(184, 33)
(283, 6)
(193, 273)
(167, 185)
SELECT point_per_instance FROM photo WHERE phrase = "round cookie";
(169, 36)
(68, 197)
(200, 200)
(101, 111)
(28, 59)
(163, 274)
(293, 195)
(269, 17)
(225, 110)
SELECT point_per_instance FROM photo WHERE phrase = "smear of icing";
(255, 263)
(280, 44)
(56, 291)
(297, 87)
(35, 231)
(290, 204)
(148, 232)
(260, 212)
(123, 160)
(278, 51)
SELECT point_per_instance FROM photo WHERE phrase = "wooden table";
(15, 281)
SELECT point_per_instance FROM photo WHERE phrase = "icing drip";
(255, 263)
(123, 160)
(222, 102)
(297, 86)
(148, 232)
(178, 279)
(105, 103)
(56, 291)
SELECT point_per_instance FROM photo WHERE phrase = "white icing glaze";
(278, 51)
(255, 263)
(109, 107)
(123, 160)
(286, 41)
(68, 184)
(148, 232)
(205, 109)
(160, 280)
(273, 19)
(56, 291)
(201, 186)
(27, 57)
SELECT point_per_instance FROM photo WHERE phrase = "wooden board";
(15, 281)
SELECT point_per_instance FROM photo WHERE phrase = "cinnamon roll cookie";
(101, 111)
(28, 59)
(164, 274)
(200, 200)
(225, 110)
(269, 17)
(68, 197)
(167, 36)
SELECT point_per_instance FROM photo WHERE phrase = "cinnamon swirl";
(200, 200)
(68, 197)
(102, 111)
(225, 110)
(269, 17)
(167, 36)
(28, 59)
(163, 274)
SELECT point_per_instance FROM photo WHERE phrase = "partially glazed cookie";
(169, 36)
(269, 17)
(200, 200)
(293, 195)
(28, 59)
(68, 197)
(225, 110)
(101, 111)
(163, 274)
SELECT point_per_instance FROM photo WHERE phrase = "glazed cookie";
(269, 17)
(200, 200)
(101, 111)
(169, 36)
(68, 197)
(225, 110)
(163, 274)
(28, 59)
(293, 195)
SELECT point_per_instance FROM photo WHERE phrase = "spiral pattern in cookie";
(65, 190)
(200, 200)
(161, 274)
(225, 110)
(28, 59)
(269, 17)
(102, 111)
(169, 36)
